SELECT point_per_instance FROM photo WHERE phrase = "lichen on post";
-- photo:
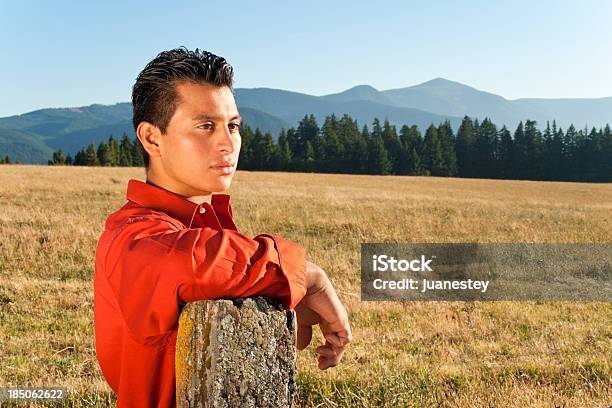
(236, 353)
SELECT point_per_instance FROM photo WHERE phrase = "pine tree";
(531, 151)
(284, 151)
(466, 156)
(415, 169)
(79, 158)
(411, 144)
(136, 151)
(378, 161)
(447, 143)
(262, 153)
(292, 140)
(505, 154)
(359, 160)
(114, 151)
(392, 145)
(125, 151)
(569, 150)
(605, 165)
(485, 149)
(103, 154)
(58, 158)
(307, 132)
(591, 155)
(350, 140)
(333, 151)
(91, 158)
(309, 160)
(520, 155)
(275, 162)
(432, 153)
(376, 129)
(553, 153)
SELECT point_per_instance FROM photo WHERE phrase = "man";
(174, 241)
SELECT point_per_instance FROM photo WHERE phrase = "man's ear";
(149, 135)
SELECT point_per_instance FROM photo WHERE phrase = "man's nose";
(227, 140)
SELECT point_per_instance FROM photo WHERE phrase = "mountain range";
(32, 137)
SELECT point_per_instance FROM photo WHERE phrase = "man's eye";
(205, 126)
(235, 126)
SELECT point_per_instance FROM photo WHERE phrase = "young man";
(174, 241)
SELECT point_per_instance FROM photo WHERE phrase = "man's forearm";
(322, 306)
(316, 279)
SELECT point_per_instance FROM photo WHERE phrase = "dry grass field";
(421, 354)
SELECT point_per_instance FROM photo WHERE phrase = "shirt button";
(202, 210)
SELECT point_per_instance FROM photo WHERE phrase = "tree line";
(477, 149)
(125, 153)
(7, 160)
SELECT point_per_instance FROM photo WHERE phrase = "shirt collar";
(176, 206)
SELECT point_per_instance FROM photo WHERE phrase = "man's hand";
(322, 306)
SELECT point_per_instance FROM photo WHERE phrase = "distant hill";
(54, 122)
(453, 98)
(590, 112)
(360, 93)
(23, 146)
(292, 106)
(264, 121)
(31, 137)
(67, 128)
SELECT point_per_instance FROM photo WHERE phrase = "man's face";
(200, 149)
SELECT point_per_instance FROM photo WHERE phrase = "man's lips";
(224, 164)
(223, 168)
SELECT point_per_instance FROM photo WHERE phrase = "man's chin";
(220, 186)
(210, 182)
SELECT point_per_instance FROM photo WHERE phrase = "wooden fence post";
(236, 353)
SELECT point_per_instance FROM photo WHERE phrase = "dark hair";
(154, 95)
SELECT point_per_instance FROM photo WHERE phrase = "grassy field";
(450, 354)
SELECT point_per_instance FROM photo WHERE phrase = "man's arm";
(322, 306)
(152, 267)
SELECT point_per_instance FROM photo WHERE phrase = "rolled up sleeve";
(153, 268)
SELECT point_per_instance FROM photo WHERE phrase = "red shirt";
(160, 251)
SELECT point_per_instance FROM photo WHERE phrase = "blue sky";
(63, 54)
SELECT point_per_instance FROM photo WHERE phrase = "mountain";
(31, 137)
(360, 93)
(453, 98)
(23, 146)
(264, 121)
(54, 122)
(586, 112)
(292, 106)
(67, 128)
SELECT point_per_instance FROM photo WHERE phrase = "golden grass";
(455, 354)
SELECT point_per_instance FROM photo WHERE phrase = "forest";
(479, 149)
